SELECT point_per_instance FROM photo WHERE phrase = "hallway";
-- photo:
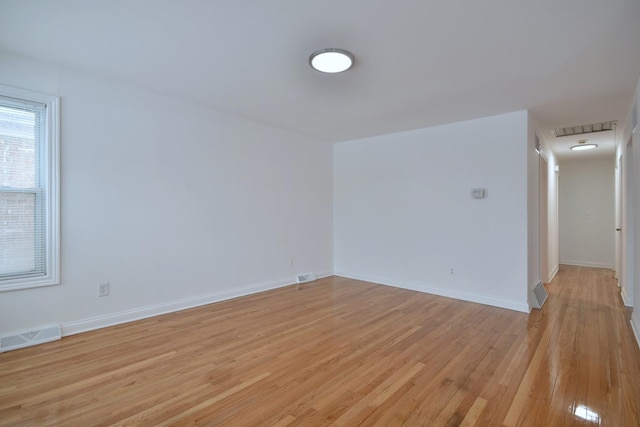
(587, 363)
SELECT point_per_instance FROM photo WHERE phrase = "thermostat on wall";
(478, 193)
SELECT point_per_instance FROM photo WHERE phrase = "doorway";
(544, 218)
(587, 210)
(627, 232)
(619, 218)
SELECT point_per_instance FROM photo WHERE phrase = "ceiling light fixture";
(331, 60)
(581, 147)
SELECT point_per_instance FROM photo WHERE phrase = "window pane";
(21, 250)
(18, 132)
(22, 208)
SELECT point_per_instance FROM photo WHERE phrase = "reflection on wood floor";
(343, 352)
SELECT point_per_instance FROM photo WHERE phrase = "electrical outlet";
(103, 289)
(452, 271)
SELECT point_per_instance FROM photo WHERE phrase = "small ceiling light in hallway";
(582, 146)
(331, 60)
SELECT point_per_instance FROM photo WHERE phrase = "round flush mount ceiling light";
(582, 146)
(331, 60)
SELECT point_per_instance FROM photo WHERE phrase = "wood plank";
(474, 413)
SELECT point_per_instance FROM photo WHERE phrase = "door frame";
(627, 232)
(544, 217)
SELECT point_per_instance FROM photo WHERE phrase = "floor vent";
(307, 277)
(27, 339)
(304, 278)
(539, 296)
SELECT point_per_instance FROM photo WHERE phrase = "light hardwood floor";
(343, 352)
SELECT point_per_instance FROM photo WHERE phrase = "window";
(29, 182)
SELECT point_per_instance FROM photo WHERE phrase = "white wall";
(404, 216)
(627, 223)
(630, 270)
(635, 317)
(552, 213)
(626, 184)
(631, 225)
(172, 203)
(587, 226)
(553, 218)
(533, 208)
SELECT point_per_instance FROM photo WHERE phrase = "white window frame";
(50, 173)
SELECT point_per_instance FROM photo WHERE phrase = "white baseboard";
(625, 299)
(586, 264)
(98, 322)
(635, 326)
(464, 296)
(553, 273)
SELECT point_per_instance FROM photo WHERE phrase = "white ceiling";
(418, 63)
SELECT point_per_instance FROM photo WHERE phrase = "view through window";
(28, 166)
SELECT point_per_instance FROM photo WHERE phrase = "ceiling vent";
(582, 129)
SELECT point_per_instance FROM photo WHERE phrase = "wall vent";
(304, 278)
(582, 129)
(27, 339)
(539, 296)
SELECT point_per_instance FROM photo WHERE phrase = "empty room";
(291, 213)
